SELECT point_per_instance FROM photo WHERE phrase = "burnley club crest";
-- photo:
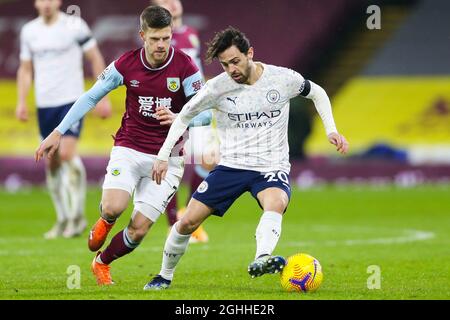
(173, 84)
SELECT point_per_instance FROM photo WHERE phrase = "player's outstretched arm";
(106, 82)
(323, 106)
(339, 141)
(200, 102)
(83, 105)
(177, 129)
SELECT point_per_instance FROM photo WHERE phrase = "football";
(302, 273)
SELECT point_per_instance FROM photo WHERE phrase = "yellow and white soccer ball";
(302, 273)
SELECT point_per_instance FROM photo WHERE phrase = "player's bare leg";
(114, 202)
(274, 202)
(177, 242)
(199, 235)
(59, 195)
(75, 181)
(121, 244)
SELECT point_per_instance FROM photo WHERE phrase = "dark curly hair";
(225, 39)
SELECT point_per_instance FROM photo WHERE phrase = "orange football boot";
(101, 272)
(98, 234)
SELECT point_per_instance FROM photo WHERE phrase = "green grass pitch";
(405, 232)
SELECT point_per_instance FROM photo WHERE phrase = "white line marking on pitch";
(406, 235)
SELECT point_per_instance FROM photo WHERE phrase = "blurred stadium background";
(389, 87)
(390, 91)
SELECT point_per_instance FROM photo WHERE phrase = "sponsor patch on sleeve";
(105, 73)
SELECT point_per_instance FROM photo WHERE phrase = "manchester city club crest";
(173, 84)
(202, 187)
(273, 96)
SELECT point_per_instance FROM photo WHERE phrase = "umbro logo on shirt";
(134, 83)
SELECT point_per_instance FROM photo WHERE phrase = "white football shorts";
(131, 170)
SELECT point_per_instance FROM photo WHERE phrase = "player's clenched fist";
(49, 145)
(159, 171)
(339, 141)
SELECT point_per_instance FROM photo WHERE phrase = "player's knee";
(137, 234)
(111, 210)
(187, 225)
(66, 154)
(277, 204)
